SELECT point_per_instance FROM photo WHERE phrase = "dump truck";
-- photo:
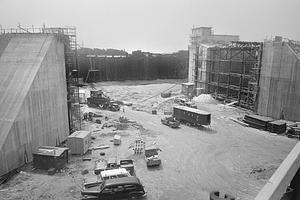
(170, 121)
(152, 157)
(98, 99)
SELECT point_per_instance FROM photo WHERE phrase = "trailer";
(191, 116)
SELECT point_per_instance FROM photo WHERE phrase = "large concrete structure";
(279, 95)
(263, 77)
(33, 96)
(201, 39)
(232, 72)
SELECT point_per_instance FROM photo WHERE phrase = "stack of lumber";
(277, 126)
(257, 121)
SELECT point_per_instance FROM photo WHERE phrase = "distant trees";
(115, 65)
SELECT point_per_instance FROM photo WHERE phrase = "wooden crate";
(79, 142)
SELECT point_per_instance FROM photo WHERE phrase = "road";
(195, 161)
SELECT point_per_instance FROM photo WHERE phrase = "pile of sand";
(205, 98)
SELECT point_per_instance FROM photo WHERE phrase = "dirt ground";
(225, 156)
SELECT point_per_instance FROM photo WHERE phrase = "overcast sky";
(156, 25)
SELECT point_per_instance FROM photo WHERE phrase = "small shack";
(79, 142)
(47, 157)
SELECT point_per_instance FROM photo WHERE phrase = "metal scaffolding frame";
(68, 36)
(233, 71)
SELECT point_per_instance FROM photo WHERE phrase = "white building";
(201, 39)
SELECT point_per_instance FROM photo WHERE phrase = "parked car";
(118, 188)
(170, 121)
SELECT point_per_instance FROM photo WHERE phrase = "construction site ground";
(225, 156)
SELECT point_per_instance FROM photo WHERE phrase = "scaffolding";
(93, 73)
(68, 36)
(233, 71)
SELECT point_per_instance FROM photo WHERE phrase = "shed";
(50, 157)
(79, 142)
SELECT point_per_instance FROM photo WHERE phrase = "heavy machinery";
(98, 99)
(152, 158)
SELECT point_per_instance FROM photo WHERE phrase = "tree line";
(118, 65)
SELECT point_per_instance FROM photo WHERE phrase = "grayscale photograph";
(149, 100)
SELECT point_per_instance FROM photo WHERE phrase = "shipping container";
(192, 116)
(79, 142)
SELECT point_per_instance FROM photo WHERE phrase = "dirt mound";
(205, 98)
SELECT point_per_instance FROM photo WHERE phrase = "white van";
(114, 173)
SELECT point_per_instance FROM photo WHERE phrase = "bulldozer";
(98, 99)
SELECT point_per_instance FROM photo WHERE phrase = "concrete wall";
(191, 74)
(34, 105)
(279, 82)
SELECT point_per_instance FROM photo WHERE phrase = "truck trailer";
(191, 116)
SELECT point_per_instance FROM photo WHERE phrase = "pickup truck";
(171, 122)
(152, 158)
(128, 165)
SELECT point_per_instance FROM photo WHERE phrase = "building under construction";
(39, 94)
(254, 74)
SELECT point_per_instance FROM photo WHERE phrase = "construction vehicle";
(98, 99)
(171, 122)
(152, 158)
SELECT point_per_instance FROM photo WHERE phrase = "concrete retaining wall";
(33, 98)
(279, 94)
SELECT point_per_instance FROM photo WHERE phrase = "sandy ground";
(225, 156)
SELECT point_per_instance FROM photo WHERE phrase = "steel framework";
(232, 72)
